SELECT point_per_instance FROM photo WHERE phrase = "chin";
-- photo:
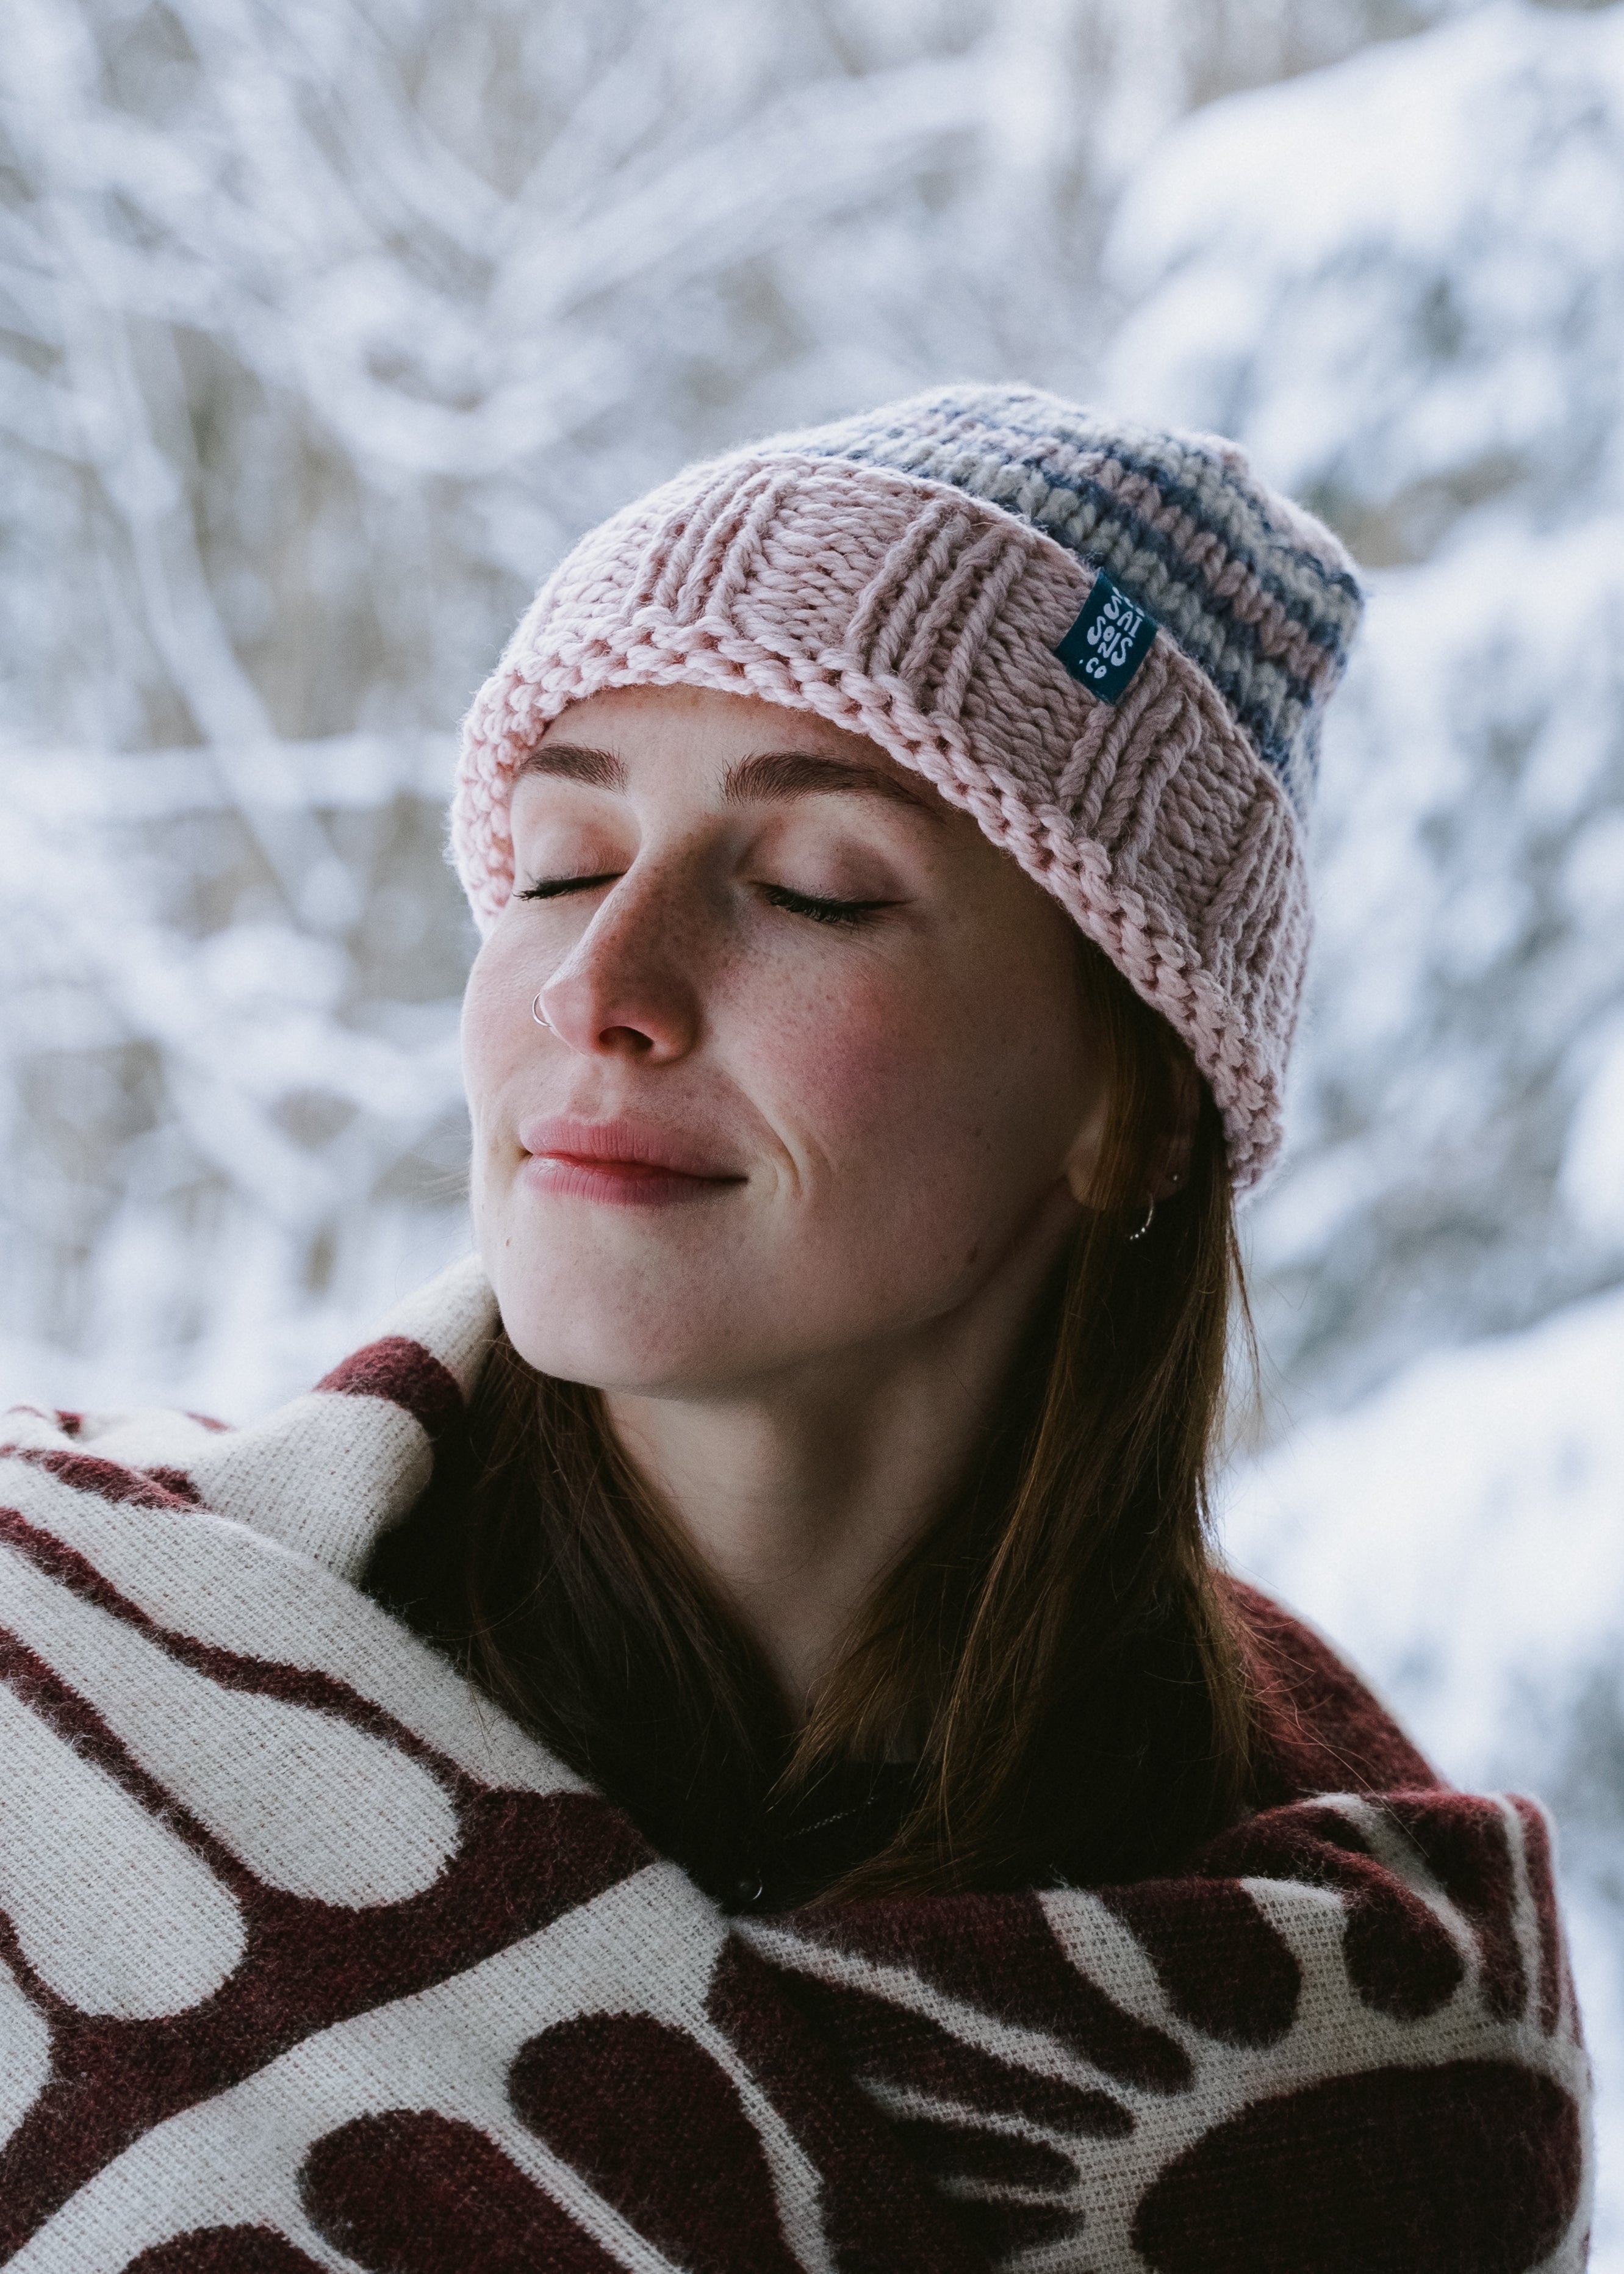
(580, 1327)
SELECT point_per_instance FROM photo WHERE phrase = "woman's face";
(816, 1063)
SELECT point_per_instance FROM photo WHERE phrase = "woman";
(901, 1846)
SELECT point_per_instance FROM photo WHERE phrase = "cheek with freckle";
(844, 1075)
(960, 1100)
(888, 1113)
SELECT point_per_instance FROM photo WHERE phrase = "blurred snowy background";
(326, 324)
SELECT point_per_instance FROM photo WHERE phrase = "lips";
(620, 1162)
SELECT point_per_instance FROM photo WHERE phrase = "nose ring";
(539, 1017)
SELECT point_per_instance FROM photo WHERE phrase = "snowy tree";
(1426, 342)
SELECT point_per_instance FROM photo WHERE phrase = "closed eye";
(848, 912)
(553, 888)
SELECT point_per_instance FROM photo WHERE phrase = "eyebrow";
(769, 775)
(795, 773)
(571, 762)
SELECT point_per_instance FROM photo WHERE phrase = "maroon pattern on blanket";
(305, 1950)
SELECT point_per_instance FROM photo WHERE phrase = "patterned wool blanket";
(311, 1959)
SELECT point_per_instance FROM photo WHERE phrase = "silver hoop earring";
(541, 1020)
(1145, 1227)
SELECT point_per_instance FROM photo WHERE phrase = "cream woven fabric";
(311, 1960)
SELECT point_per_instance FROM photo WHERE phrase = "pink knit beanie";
(1112, 646)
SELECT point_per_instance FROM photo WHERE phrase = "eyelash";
(842, 915)
(847, 914)
(553, 888)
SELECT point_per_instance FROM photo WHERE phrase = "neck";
(800, 1489)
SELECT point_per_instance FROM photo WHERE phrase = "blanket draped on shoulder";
(311, 1959)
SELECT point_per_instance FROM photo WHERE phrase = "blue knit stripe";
(1242, 515)
(980, 421)
(1326, 629)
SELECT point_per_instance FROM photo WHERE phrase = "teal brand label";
(1108, 641)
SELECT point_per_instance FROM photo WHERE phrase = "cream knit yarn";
(909, 575)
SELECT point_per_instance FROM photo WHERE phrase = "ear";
(1082, 1160)
(1170, 1156)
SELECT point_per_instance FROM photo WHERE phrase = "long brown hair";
(1055, 1649)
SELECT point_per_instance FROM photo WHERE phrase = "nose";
(627, 988)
